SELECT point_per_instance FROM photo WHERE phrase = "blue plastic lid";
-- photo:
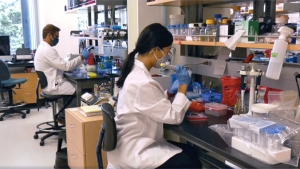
(115, 27)
(218, 16)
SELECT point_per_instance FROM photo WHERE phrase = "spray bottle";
(278, 53)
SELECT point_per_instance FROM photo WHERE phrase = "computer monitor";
(4, 45)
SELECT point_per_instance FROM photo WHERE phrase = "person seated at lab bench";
(143, 107)
(48, 61)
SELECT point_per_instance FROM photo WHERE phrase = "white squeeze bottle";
(278, 53)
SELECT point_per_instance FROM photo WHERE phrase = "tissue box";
(251, 28)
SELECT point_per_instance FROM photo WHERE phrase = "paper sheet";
(221, 61)
(232, 42)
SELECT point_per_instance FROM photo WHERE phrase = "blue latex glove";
(182, 75)
(173, 89)
(85, 53)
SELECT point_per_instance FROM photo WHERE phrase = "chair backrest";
(42, 79)
(4, 71)
(110, 135)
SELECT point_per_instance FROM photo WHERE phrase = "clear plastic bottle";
(210, 30)
(218, 19)
(217, 23)
(237, 16)
(196, 31)
(202, 32)
(279, 23)
(250, 16)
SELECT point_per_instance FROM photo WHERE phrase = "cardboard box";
(251, 28)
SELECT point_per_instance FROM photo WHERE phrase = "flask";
(278, 53)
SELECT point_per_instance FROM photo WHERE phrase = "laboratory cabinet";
(82, 138)
(26, 92)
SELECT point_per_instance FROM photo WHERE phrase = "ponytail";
(154, 35)
(126, 69)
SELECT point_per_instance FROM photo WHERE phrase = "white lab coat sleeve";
(150, 101)
(57, 62)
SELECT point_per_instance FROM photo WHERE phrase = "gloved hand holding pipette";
(183, 78)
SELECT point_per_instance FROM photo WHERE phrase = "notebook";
(91, 110)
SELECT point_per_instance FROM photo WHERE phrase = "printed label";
(274, 55)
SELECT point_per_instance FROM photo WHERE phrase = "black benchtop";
(70, 75)
(199, 134)
(27, 64)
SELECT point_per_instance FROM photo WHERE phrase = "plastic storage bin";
(215, 109)
(176, 19)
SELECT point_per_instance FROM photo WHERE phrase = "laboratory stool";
(61, 160)
(108, 133)
(52, 126)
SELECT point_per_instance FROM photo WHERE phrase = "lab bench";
(216, 151)
(88, 83)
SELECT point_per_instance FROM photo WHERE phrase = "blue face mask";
(54, 41)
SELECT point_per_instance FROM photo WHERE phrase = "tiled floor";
(18, 148)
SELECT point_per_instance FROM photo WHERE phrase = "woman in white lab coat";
(143, 107)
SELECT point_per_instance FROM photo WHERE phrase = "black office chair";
(6, 85)
(297, 77)
(40, 101)
(54, 128)
(108, 133)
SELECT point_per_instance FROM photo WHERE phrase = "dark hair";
(154, 35)
(49, 29)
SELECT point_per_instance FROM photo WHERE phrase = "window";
(11, 22)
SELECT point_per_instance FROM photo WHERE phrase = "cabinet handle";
(72, 125)
(74, 156)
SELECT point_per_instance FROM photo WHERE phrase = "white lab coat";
(142, 109)
(48, 61)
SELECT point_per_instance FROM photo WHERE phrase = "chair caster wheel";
(42, 143)
(23, 116)
(36, 136)
(1, 118)
(27, 111)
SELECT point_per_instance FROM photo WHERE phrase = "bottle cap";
(209, 22)
(191, 25)
(225, 21)
(236, 8)
(218, 16)
(285, 32)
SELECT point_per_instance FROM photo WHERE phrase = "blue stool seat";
(12, 82)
